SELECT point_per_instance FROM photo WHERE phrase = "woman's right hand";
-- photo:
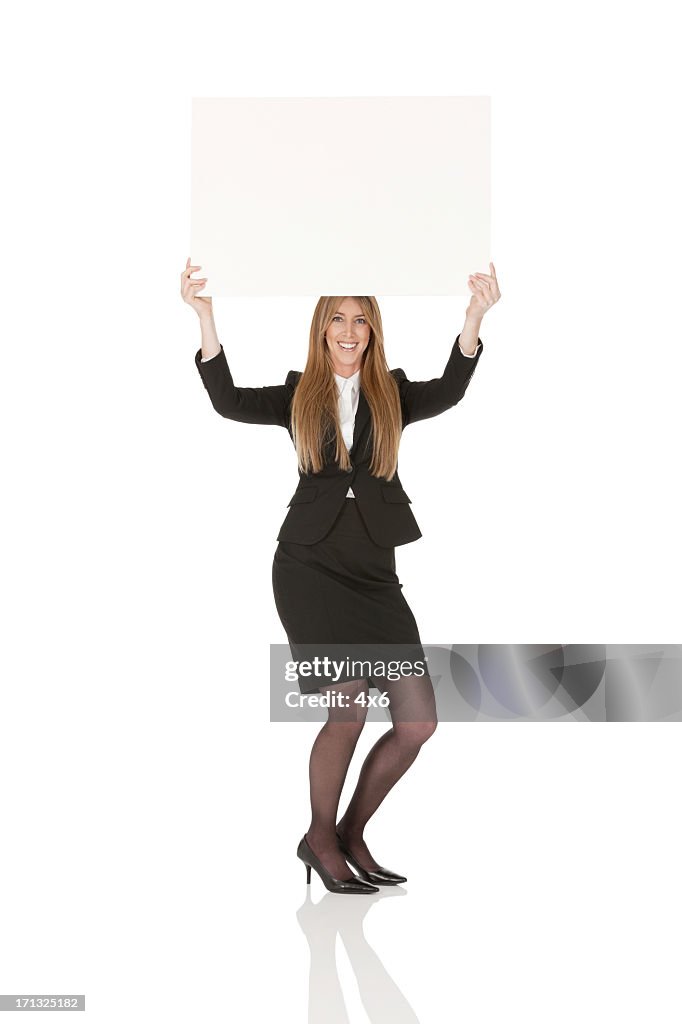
(203, 305)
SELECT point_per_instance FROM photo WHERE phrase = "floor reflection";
(343, 915)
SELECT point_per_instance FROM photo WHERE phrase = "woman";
(334, 572)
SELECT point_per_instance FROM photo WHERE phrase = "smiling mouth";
(347, 346)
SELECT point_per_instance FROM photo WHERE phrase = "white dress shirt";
(349, 396)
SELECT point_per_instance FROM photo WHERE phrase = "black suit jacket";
(384, 506)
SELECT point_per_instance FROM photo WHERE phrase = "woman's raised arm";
(421, 399)
(267, 405)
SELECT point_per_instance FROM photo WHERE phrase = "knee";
(415, 734)
(348, 728)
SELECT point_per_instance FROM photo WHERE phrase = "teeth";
(343, 345)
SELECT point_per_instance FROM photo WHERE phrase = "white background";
(150, 813)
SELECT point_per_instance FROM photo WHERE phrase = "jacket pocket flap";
(392, 493)
(304, 494)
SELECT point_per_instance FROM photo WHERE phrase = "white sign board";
(340, 196)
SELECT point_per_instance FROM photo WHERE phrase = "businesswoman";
(334, 572)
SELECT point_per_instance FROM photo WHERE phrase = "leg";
(413, 713)
(329, 761)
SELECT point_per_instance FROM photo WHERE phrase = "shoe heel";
(308, 871)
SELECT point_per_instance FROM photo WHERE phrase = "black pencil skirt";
(344, 591)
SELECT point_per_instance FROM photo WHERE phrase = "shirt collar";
(353, 382)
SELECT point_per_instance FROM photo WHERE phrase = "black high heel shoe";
(380, 876)
(349, 885)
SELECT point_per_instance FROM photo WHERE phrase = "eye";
(360, 318)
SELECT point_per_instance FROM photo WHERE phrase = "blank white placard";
(384, 195)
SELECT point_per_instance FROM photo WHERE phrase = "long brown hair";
(314, 407)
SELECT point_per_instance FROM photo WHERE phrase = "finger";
(482, 293)
(187, 288)
(492, 268)
(485, 277)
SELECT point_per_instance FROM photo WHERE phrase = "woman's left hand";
(485, 293)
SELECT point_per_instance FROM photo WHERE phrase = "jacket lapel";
(362, 418)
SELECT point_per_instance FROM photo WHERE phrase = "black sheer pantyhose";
(329, 761)
(413, 714)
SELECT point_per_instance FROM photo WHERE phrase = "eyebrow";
(339, 313)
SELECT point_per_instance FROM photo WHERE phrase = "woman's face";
(347, 337)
